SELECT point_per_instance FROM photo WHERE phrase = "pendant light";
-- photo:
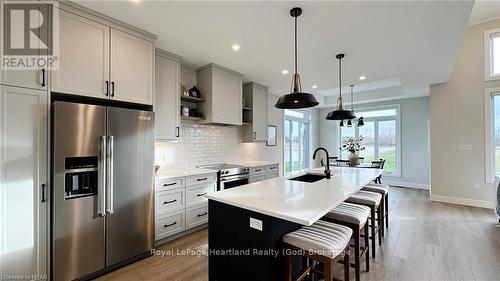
(341, 123)
(361, 123)
(340, 113)
(296, 98)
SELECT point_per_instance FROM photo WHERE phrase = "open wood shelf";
(191, 118)
(192, 99)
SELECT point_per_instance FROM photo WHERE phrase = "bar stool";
(382, 189)
(324, 242)
(355, 217)
(371, 200)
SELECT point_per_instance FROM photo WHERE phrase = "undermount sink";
(309, 178)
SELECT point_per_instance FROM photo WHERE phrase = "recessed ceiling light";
(284, 71)
(235, 47)
(136, 1)
(315, 86)
(362, 77)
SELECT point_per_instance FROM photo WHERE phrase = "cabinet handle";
(169, 184)
(112, 89)
(43, 193)
(178, 131)
(171, 201)
(167, 225)
(107, 88)
(201, 194)
(254, 135)
(201, 215)
(43, 77)
(272, 168)
(258, 170)
(203, 179)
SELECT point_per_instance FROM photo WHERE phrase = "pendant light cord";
(352, 100)
(296, 45)
(340, 77)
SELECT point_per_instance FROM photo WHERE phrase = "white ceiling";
(484, 11)
(412, 43)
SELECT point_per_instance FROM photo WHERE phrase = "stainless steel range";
(229, 176)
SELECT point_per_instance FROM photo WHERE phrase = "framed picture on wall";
(271, 135)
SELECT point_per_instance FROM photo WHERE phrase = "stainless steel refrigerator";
(103, 192)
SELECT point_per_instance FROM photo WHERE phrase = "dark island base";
(252, 256)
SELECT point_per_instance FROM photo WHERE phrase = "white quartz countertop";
(182, 173)
(252, 164)
(295, 201)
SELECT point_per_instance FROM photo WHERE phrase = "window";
(492, 54)
(296, 142)
(492, 137)
(380, 137)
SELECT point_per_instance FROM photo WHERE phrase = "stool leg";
(367, 245)
(288, 267)
(380, 224)
(328, 270)
(387, 210)
(347, 264)
(357, 250)
(381, 214)
(373, 221)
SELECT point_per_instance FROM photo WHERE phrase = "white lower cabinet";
(23, 182)
(181, 203)
(196, 216)
(170, 224)
(261, 173)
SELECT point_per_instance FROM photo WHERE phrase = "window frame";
(489, 138)
(488, 54)
(307, 120)
(397, 117)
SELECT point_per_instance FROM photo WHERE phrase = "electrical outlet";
(464, 147)
(256, 224)
(476, 185)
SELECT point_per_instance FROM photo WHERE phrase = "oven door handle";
(237, 177)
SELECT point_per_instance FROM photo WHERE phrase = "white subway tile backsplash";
(200, 145)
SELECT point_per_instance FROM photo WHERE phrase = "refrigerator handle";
(101, 194)
(110, 187)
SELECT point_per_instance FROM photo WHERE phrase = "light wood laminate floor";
(425, 241)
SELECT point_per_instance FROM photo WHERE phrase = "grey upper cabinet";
(102, 58)
(255, 112)
(167, 95)
(132, 60)
(83, 59)
(37, 77)
(222, 90)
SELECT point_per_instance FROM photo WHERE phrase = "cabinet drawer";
(257, 170)
(196, 194)
(170, 224)
(272, 175)
(273, 168)
(166, 184)
(257, 178)
(196, 216)
(170, 200)
(200, 179)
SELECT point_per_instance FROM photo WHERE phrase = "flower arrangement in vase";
(353, 145)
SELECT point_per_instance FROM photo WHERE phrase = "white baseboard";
(406, 184)
(462, 201)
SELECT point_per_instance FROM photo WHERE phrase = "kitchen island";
(246, 223)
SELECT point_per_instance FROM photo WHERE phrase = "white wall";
(415, 160)
(457, 117)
